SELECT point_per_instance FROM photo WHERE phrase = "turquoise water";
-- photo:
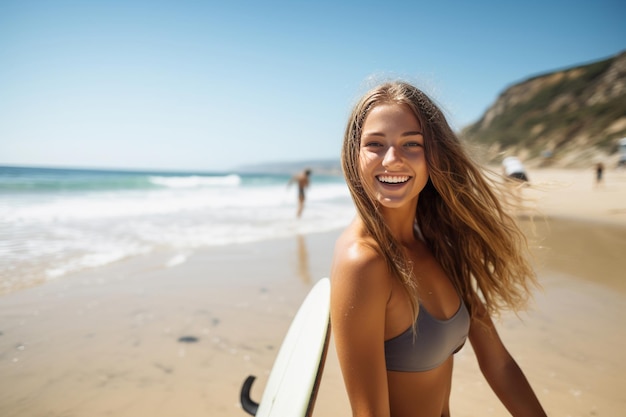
(54, 222)
(41, 180)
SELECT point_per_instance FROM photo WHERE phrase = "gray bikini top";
(435, 340)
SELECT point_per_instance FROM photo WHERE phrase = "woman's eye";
(413, 144)
(373, 144)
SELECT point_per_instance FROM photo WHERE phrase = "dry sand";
(137, 338)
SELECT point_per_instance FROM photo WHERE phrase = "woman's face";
(391, 156)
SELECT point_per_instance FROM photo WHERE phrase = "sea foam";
(47, 234)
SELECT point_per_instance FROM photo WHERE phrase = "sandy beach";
(139, 337)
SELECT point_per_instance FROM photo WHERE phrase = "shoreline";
(138, 338)
(552, 195)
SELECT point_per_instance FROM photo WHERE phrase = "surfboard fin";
(248, 405)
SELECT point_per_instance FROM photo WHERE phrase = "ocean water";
(54, 222)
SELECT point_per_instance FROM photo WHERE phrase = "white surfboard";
(293, 382)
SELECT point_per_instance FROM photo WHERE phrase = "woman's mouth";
(393, 179)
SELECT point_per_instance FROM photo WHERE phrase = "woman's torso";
(423, 393)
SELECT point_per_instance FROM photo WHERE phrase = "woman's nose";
(392, 157)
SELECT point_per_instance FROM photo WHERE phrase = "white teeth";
(392, 179)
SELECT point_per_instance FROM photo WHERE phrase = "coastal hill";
(567, 118)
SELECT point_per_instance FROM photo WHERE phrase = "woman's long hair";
(460, 216)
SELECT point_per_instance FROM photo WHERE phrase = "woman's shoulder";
(357, 248)
(358, 260)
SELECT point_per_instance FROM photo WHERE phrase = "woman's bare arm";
(360, 290)
(500, 369)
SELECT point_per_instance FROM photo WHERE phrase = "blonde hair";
(461, 218)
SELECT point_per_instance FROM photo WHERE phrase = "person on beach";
(515, 173)
(514, 169)
(302, 179)
(599, 172)
(431, 256)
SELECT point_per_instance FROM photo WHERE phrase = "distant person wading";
(302, 179)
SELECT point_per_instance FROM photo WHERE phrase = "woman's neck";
(401, 222)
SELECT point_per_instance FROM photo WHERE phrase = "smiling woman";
(431, 255)
(392, 156)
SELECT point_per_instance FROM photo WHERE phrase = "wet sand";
(139, 338)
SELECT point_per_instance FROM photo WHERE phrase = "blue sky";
(203, 85)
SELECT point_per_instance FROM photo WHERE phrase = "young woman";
(430, 257)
